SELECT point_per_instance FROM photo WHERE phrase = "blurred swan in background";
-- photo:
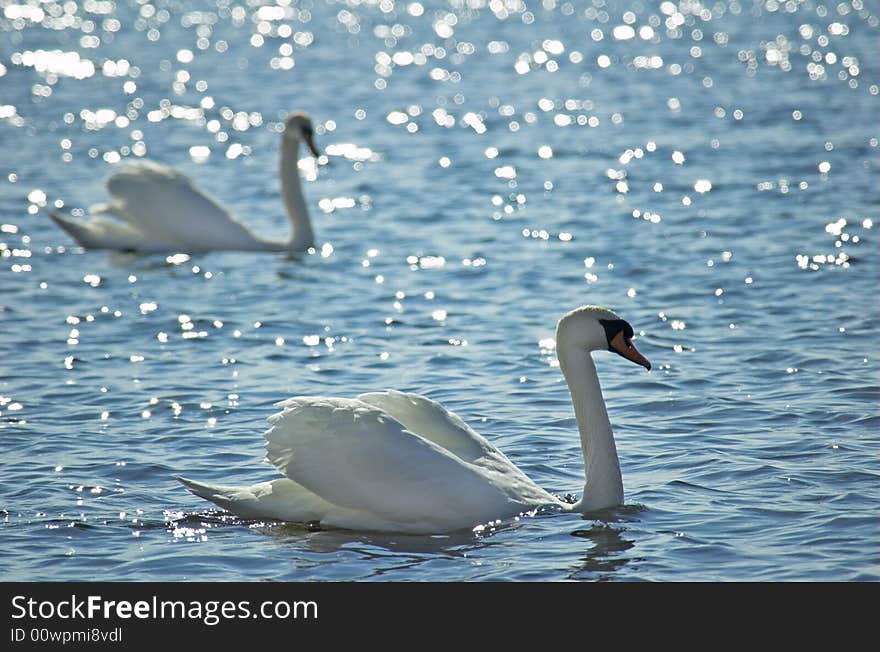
(157, 209)
(398, 462)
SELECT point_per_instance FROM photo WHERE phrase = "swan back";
(169, 210)
(362, 460)
(432, 421)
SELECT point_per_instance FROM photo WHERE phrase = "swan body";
(392, 461)
(153, 208)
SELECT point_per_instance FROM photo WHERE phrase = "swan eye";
(615, 327)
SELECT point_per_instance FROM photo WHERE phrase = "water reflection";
(375, 544)
(606, 534)
(606, 555)
(386, 553)
(312, 537)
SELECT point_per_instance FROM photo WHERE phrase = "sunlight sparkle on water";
(199, 153)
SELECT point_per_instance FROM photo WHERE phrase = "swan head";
(298, 126)
(595, 328)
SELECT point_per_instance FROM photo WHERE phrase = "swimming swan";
(158, 209)
(390, 461)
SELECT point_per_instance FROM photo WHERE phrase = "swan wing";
(359, 457)
(428, 418)
(166, 206)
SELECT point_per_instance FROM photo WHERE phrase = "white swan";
(158, 209)
(399, 462)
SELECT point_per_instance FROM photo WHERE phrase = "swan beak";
(623, 346)
(311, 143)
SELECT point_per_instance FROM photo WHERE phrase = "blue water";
(708, 170)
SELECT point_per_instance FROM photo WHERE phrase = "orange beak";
(623, 346)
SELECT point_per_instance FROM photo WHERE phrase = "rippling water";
(710, 170)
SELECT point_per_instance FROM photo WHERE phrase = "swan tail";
(79, 232)
(280, 499)
(103, 233)
(218, 494)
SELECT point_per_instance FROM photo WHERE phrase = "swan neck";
(603, 486)
(302, 236)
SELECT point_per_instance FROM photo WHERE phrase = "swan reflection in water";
(376, 544)
(414, 549)
(609, 544)
(604, 532)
